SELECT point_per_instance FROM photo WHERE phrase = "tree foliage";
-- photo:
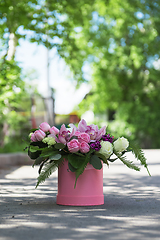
(126, 47)
(12, 94)
(119, 39)
(52, 23)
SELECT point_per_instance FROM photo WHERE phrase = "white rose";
(121, 144)
(106, 148)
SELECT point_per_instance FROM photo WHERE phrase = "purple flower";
(108, 138)
(63, 135)
(82, 126)
(96, 145)
(92, 130)
(100, 133)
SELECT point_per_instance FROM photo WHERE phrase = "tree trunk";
(12, 43)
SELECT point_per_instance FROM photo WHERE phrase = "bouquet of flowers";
(80, 145)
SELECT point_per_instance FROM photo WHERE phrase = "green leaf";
(80, 170)
(38, 161)
(105, 160)
(96, 162)
(42, 164)
(33, 148)
(55, 157)
(75, 160)
(33, 129)
(59, 146)
(128, 163)
(33, 155)
(71, 168)
(48, 152)
(48, 169)
(138, 153)
(79, 154)
(39, 144)
(112, 159)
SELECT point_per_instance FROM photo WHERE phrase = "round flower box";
(88, 190)
(79, 154)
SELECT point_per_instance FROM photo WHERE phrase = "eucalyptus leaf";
(55, 157)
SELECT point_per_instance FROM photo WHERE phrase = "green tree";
(12, 91)
(126, 46)
(120, 41)
(58, 24)
(51, 23)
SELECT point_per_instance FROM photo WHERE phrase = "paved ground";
(131, 209)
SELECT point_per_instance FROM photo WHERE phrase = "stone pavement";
(131, 209)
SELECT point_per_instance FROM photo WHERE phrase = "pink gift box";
(88, 190)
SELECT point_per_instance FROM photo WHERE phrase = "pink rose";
(33, 138)
(84, 137)
(84, 147)
(44, 127)
(73, 145)
(39, 135)
(54, 130)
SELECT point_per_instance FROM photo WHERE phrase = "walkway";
(131, 209)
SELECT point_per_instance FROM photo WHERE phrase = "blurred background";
(61, 61)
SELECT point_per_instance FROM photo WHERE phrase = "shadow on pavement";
(131, 209)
